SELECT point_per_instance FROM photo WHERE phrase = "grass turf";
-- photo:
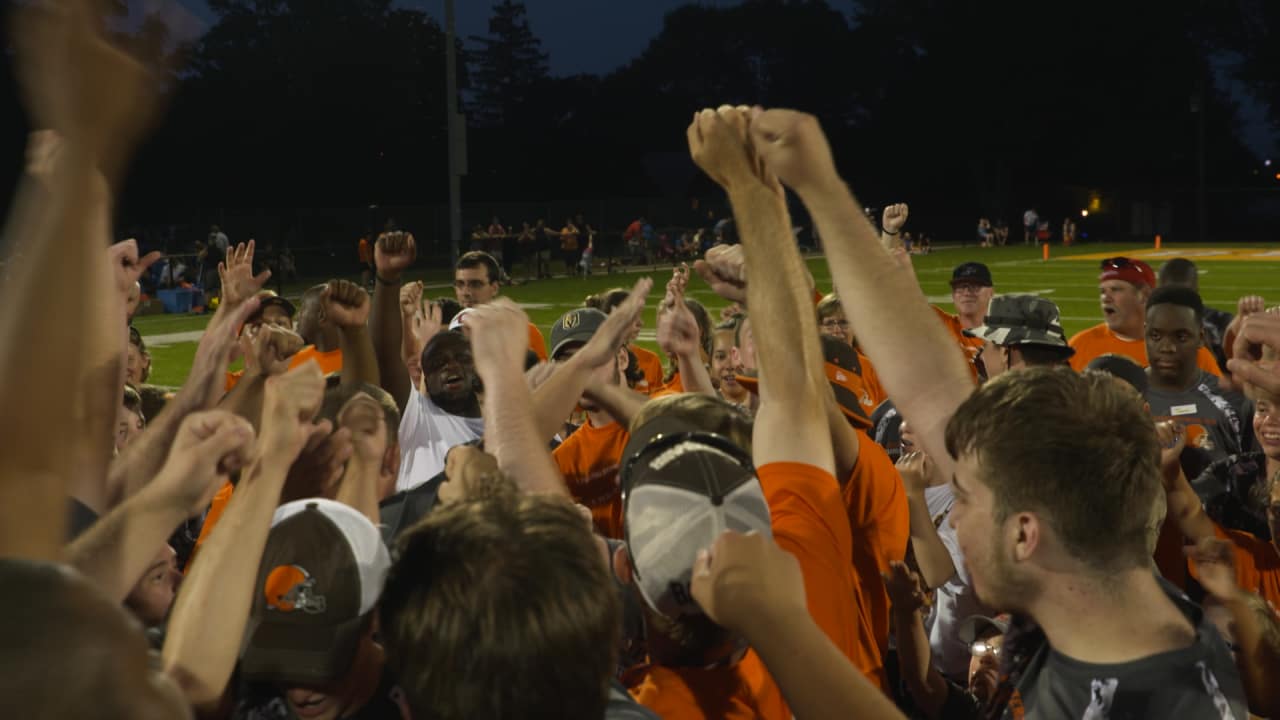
(1072, 284)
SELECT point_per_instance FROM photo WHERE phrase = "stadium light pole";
(457, 131)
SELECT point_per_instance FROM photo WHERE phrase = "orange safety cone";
(1157, 242)
(1045, 251)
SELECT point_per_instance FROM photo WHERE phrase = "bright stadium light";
(1084, 213)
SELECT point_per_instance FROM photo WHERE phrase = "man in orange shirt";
(647, 361)
(1124, 286)
(589, 458)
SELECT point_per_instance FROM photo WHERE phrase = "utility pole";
(457, 133)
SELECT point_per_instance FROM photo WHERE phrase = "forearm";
(118, 548)
(926, 686)
(694, 375)
(917, 362)
(359, 488)
(245, 399)
(555, 399)
(622, 403)
(211, 611)
(49, 219)
(787, 350)
(816, 679)
(358, 362)
(1185, 508)
(512, 434)
(385, 331)
(844, 440)
(936, 566)
(102, 350)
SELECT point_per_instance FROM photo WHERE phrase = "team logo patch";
(571, 320)
(290, 587)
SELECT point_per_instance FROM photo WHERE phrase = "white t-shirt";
(1029, 218)
(955, 600)
(426, 435)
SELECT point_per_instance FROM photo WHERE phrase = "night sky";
(597, 36)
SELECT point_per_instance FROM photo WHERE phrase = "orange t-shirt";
(880, 523)
(651, 365)
(1257, 564)
(804, 502)
(536, 343)
(675, 387)
(589, 461)
(330, 362)
(216, 508)
(970, 345)
(366, 251)
(1099, 340)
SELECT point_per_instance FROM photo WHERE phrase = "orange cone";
(1045, 251)
(1157, 242)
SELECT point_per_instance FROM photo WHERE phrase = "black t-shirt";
(1195, 682)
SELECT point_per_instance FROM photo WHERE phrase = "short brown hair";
(1080, 450)
(501, 606)
(708, 413)
(479, 258)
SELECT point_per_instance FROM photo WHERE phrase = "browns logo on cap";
(289, 588)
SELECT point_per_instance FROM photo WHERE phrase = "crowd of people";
(826, 504)
(1036, 230)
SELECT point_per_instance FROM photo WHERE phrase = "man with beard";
(441, 412)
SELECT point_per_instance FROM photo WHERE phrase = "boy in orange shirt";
(589, 458)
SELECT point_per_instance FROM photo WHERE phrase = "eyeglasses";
(982, 648)
(832, 323)
(1116, 263)
(469, 284)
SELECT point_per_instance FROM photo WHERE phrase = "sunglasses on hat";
(1116, 263)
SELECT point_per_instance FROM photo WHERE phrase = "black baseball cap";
(575, 326)
(972, 272)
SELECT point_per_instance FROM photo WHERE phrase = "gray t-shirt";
(1199, 682)
(1212, 419)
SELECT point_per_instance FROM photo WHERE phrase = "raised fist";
(346, 304)
(894, 217)
(794, 148)
(725, 269)
(268, 349)
(393, 253)
(719, 144)
(743, 580)
(289, 404)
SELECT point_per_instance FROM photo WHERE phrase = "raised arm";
(1184, 506)
(267, 352)
(927, 686)
(936, 566)
(790, 425)
(118, 548)
(679, 337)
(555, 398)
(918, 364)
(142, 459)
(498, 343)
(98, 102)
(347, 304)
(393, 253)
(892, 218)
(211, 611)
(750, 585)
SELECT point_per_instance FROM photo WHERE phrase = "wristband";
(384, 281)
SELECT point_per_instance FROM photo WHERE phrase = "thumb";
(1252, 372)
(770, 126)
(700, 584)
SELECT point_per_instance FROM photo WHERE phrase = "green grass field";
(1071, 283)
